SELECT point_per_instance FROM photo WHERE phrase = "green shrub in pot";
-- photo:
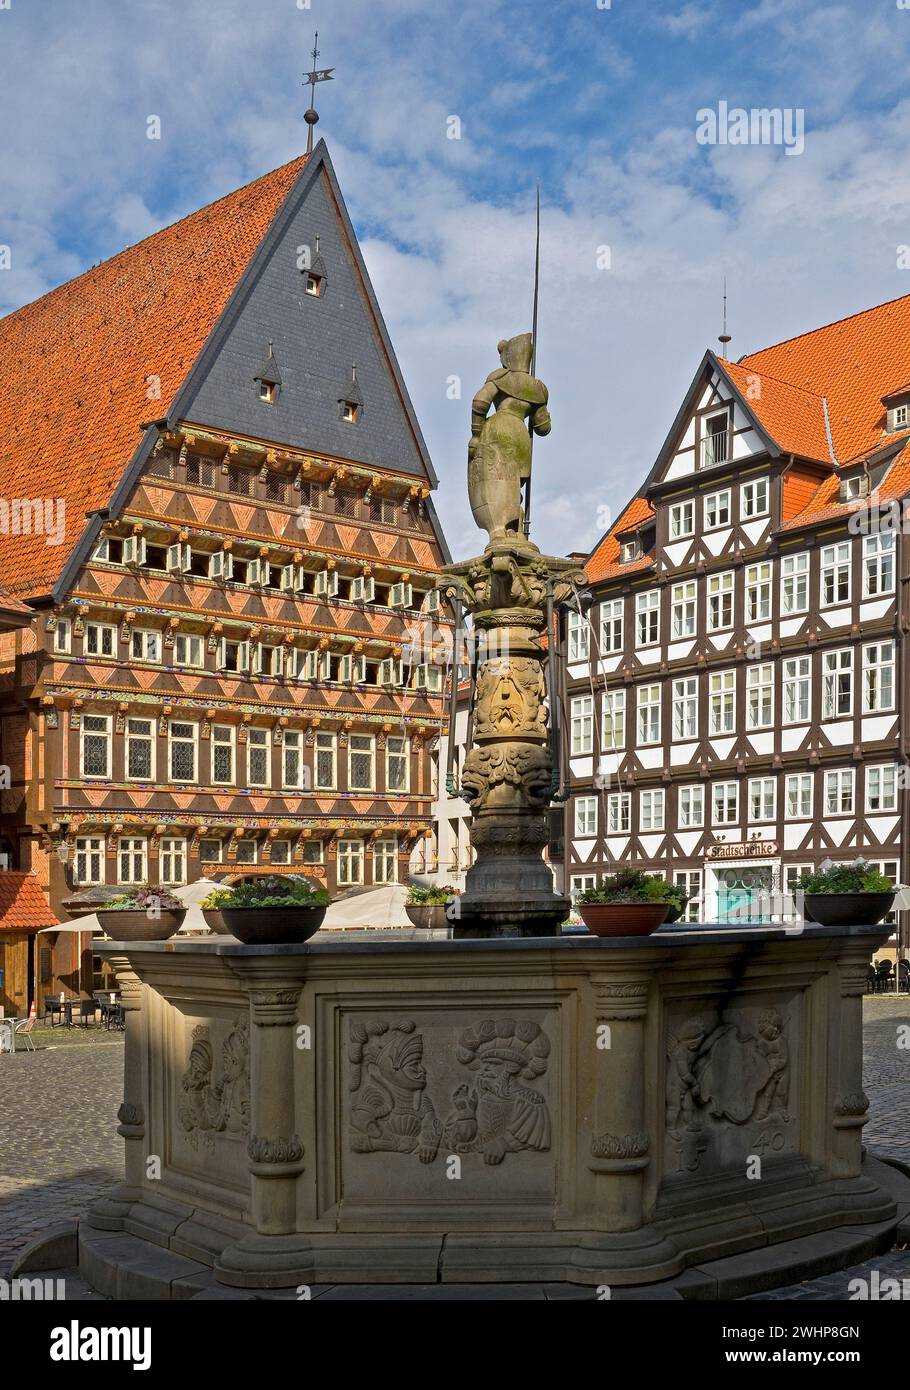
(142, 914)
(269, 909)
(426, 907)
(628, 903)
(855, 894)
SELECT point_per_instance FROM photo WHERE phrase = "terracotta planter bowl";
(214, 921)
(623, 919)
(272, 926)
(428, 916)
(140, 926)
(847, 909)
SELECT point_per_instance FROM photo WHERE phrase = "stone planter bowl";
(428, 916)
(272, 926)
(214, 920)
(847, 909)
(128, 925)
(623, 919)
(673, 914)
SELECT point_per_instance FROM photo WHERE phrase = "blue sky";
(598, 103)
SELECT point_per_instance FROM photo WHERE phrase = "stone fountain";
(510, 591)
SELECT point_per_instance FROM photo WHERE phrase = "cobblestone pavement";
(60, 1146)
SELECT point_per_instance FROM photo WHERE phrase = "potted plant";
(676, 899)
(268, 910)
(846, 895)
(426, 907)
(143, 914)
(627, 903)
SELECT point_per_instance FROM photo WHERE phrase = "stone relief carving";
(492, 1113)
(620, 1145)
(523, 771)
(284, 1149)
(719, 1074)
(213, 1105)
(510, 698)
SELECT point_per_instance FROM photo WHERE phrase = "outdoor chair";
(88, 1008)
(53, 1008)
(23, 1029)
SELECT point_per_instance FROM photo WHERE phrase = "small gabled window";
(350, 411)
(629, 550)
(855, 487)
(268, 392)
(312, 283)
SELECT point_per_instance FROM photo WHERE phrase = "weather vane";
(311, 115)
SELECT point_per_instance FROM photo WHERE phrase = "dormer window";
(897, 409)
(900, 416)
(715, 440)
(854, 487)
(629, 550)
(312, 284)
(350, 411)
(268, 378)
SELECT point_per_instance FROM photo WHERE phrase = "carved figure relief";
(523, 769)
(213, 1105)
(510, 699)
(493, 1113)
(717, 1073)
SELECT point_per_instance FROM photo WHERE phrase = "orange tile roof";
(74, 365)
(852, 364)
(23, 906)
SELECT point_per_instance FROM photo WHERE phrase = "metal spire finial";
(311, 115)
(724, 338)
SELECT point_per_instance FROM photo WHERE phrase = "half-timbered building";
(736, 694)
(230, 553)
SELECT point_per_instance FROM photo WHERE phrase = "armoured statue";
(499, 454)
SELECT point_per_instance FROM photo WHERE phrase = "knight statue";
(499, 454)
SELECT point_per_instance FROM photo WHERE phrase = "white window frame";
(292, 742)
(878, 564)
(402, 753)
(797, 676)
(258, 740)
(691, 806)
(189, 642)
(579, 634)
(613, 720)
(647, 619)
(619, 813)
(612, 615)
(884, 777)
(134, 849)
(682, 520)
(648, 720)
(349, 862)
(801, 805)
(62, 636)
(683, 609)
(836, 566)
(794, 583)
(585, 817)
(89, 853)
(325, 742)
(685, 709)
(370, 740)
(878, 677)
(718, 502)
(754, 499)
(146, 633)
(691, 882)
(385, 856)
(172, 857)
(760, 695)
(722, 590)
(151, 738)
(837, 803)
(762, 800)
(721, 702)
(652, 810)
(725, 795)
(96, 637)
(759, 579)
(172, 740)
(836, 666)
(103, 733)
(581, 724)
(217, 740)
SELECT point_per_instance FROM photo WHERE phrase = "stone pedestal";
(508, 774)
(594, 1111)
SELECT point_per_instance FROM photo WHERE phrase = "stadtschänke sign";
(749, 849)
